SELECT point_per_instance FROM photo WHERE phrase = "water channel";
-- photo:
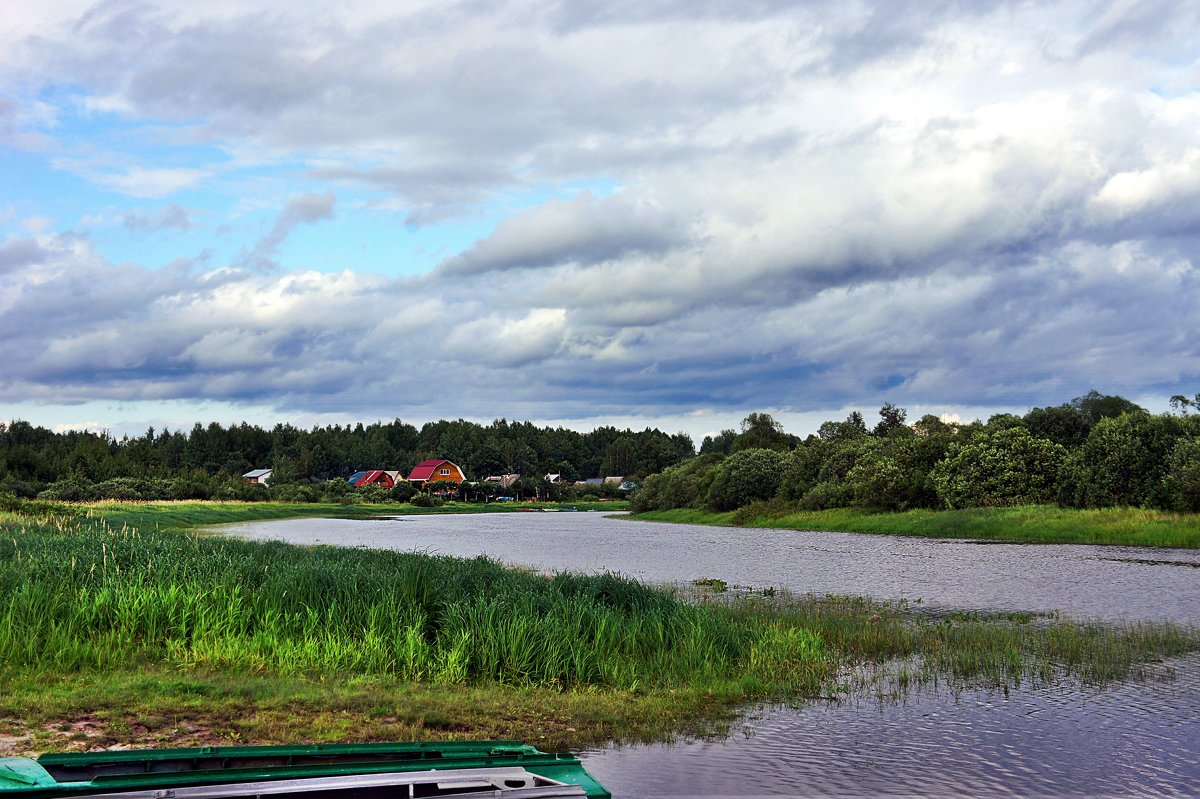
(1137, 739)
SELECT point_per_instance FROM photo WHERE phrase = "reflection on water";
(1081, 581)
(1137, 739)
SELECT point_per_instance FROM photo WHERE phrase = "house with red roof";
(374, 477)
(436, 471)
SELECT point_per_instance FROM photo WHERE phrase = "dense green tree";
(746, 476)
(1096, 406)
(1124, 461)
(720, 444)
(683, 486)
(853, 427)
(762, 431)
(1006, 467)
(1182, 479)
(891, 420)
(1063, 424)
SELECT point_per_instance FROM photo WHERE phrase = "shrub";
(683, 486)
(188, 488)
(421, 501)
(291, 492)
(1182, 482)
(879, 482)
(132, 489)
(403, 491)
(1008, 467)
(1124, 461)
(826, 495)
(73, 489)
(746, 476)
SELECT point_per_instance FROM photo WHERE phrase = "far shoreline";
(1025, 524)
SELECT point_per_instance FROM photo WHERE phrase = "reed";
(97, 597)
(95, 594)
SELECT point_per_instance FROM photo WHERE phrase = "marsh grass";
(1033, 524)
(99, 593)
(124, 595)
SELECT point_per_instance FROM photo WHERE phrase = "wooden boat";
(501, 769)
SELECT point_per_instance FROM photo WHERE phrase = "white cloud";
(151, 182)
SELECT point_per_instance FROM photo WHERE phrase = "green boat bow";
(336, 771)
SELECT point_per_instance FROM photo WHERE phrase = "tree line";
(1095, 451)
(208, 462)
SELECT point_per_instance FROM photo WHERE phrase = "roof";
(354, 478)
(376, 477)
(614, 480)
(254, 473)
(425, 469)
(553, 478)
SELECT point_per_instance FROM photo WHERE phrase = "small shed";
(504, 480)
(258, 476)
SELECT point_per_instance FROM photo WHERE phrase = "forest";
(208, 462)
(1095, 451)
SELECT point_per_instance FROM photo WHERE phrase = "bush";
(188, 488)
(1182, 483)
(291, 492)
(422, 501)
(1008, 467)
(879, 482)
(132, 489)
(73, 489)
(826, 495)
(683, 486)
(403, 491)
(374, 494)
(1124, 462)
(746, 476)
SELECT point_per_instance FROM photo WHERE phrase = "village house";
(436, 471)
(374, 477)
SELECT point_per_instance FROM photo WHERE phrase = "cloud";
(173, 216)
(152, 181)
(811, 205)
(303, 209)
(19, 253)
(583, 230)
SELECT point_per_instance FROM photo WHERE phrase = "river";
(1136, 739)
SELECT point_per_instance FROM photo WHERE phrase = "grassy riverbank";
(183, 515)
(1029, 524)
(121, 628)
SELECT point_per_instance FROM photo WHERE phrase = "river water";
(1137, 739)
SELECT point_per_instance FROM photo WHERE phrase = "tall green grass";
(93, 595)
(106, 595)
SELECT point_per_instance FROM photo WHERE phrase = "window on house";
(445, 471)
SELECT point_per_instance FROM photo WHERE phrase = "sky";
(657, 212)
